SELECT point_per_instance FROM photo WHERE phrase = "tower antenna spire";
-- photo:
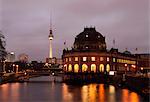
(51, 23)
(50, 38)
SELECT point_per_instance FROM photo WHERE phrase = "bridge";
(28, 74)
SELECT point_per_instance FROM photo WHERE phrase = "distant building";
(10, 57)
(2, 51)
(144, 62)
(89, 54)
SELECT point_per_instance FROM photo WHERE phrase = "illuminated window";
(114, 59)
(70, 68)
(107, 59)
(76, 68)
(84, 58)
(76, 59)
(66, 59)
(84, 67)
(126, 61)
(92, 58)
(69, 59)
(65, 67)
(93, 67)
(101, 59)
(107, 67)
(101, 68)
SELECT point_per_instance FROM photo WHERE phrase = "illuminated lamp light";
(25, 73)
(12, 53)
(53, 73)
(142, 68)
(125, 65)
(133, 66)
(112, 73)
(46, 64)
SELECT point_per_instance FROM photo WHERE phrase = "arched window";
(107, 67)
(101, 67)
(65, 67)
(93, 67)
(70, 68)
(76, 68)
(84, 67)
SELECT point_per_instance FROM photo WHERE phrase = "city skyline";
(25, 24)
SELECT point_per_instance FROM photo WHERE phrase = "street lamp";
(17, 66)
(13, 67)
(4, 70)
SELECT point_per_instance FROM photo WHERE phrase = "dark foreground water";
(42, 90)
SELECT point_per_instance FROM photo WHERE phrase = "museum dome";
(90, 39)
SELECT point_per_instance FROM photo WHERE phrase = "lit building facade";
(89, 54)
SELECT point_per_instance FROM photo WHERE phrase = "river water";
(43, 90)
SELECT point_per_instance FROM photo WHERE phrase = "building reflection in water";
(70, 93)
(11, 90)
(112, 94)
(129, 96)
(67, 96)
(84, 93)
(101, 93)
(98, 93)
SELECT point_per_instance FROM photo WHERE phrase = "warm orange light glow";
(112, 94)
(69, 58)
(67, 96)
(70, 68)
(84, 67)
(101, 68)
(84, 93)
(101, 93)
(125, 95)
(134, 97)
(126, 61)
(107, 59)
(142, 68)
(92, 93)
(76, 68)
(93, 67)
(92, 58)
(84, 58)
(66, 59)
(76, 59)
(133, 66)
(107, 67)
(101, 59)
(65, 67)
(125, 65)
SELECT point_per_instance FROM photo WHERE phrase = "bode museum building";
(90, 54)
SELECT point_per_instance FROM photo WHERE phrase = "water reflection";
(101, 93)
(128, 96)
(67, 96)
(61, 92)
(11, 90)
(98, 93)
(112, 94)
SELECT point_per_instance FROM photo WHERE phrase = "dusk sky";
(25, 24)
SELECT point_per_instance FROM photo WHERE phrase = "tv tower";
(50, 40)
